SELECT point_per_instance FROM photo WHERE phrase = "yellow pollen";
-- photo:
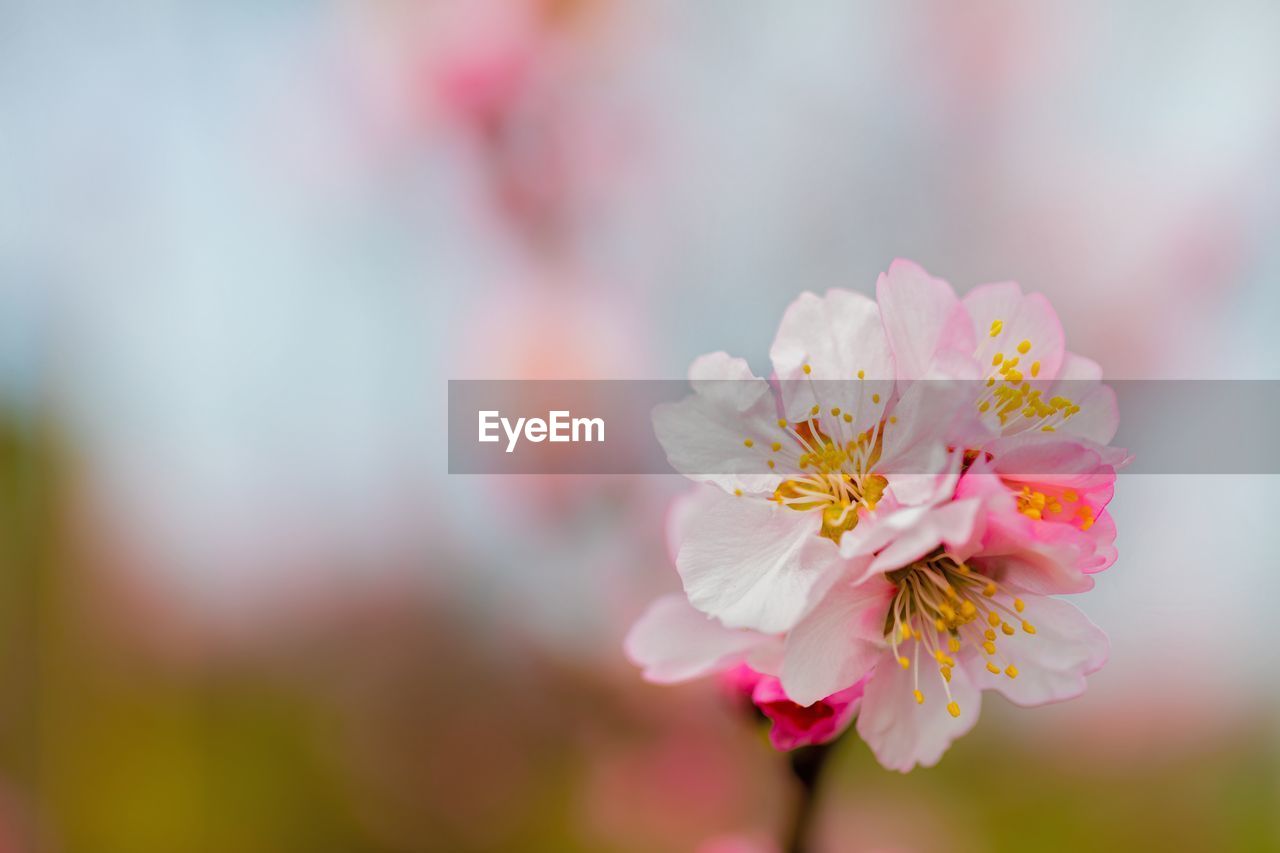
(770, 463)
(946, 672)
(862, 375)
(776, 446)
(1007, 628)
(995, 361)
(807, 370)
(984, 405)
(1070, 496)
(906, 631)
(904, 662)
(848, 418)
(782, 422)
(1028, 627)
(953, 709)
(968, 609)
(1024, 347)
(1035, 368)
(996, 327)
(919, 697)
(835, 412)
(989, 590)
(875, 398)
(747, 443)
(992, 668)
(989, 647)
(1011, 671)
(815, 410)
(738, 492)
(939, 624)
(893, 419)
(954, 645)
(993, 618)
(989, 634)
(1019, 604)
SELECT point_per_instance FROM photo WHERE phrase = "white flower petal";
(836, 336)
(754, 564)
(705, 435)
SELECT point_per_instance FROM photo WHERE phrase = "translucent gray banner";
(606, 426)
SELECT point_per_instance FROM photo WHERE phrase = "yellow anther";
(989, 634)
(862, 374)
(953, 709)
(992, 668)
(940, 624)
(904, 662)
(989, 647)
(948, 612)
(848, 418)
(738, 492)
(1028, 627)
(995, 361)
(984, 405)
(954, 645)
(940, 655)
(1019, 605)
(835, 412)
(815, 410)
(996, 327)
(993, 618)
(770, 463)
(968, 609)
(776, 446)
(875, 398)
(1011, 671)
(962, 568)
(906, 631)
(991, 380)
(1007, 628)
(1024, 347)
(893, 419)
(946, 672)
(746, 442)
(782, 422)
(1035, 368)
(1070, 496)
(989, 590)
(807, 370)
(919, 697)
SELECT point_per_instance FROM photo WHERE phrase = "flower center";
(942, 606)
(832, 475)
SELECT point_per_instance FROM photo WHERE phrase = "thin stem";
(806, 765)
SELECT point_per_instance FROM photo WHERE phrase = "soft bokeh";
(243, 246)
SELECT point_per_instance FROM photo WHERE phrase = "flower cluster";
(881, 526)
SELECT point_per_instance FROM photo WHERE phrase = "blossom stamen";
(942, 606)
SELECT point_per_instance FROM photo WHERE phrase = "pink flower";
(897, 558)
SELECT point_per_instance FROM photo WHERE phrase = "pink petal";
(673, 642)
(925, 322)
(1052, 663)
(1022, 318)
(838, 642)
(903, 733)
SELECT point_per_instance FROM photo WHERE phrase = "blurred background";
(243, 245)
